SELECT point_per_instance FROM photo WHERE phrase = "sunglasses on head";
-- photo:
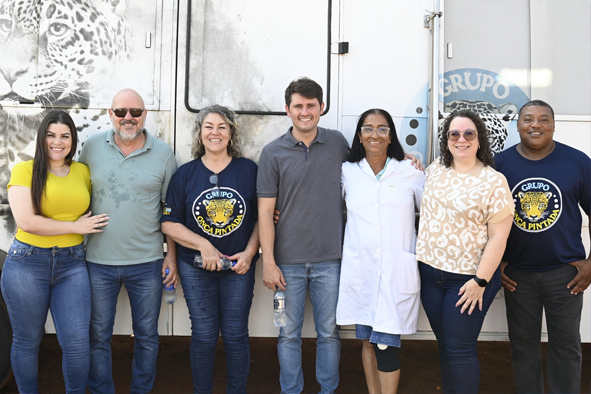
(122, 112)
(469, 135)
(214, 181)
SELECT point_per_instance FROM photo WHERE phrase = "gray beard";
(126, 136)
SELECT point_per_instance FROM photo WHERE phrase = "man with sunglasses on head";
(130, 171)
(545, 267)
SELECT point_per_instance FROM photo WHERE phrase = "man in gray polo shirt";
(299, 173)
(130, 171)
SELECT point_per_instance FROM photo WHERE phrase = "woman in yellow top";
(46, 264)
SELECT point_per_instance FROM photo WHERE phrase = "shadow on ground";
(420, 367)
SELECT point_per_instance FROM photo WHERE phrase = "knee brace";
(388, 359)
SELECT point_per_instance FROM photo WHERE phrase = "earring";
(231, 144)
(199, 142)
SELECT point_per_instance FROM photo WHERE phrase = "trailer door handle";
(339, 48)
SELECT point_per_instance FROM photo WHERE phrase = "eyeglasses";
(382, 131)
(214, 181)
(122, 112)
(454, 135)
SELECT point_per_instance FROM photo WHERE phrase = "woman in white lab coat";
(380, 284)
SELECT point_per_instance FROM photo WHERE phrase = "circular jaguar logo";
(219, 211)
(538, 204)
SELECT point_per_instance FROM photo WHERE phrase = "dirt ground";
(420, 367)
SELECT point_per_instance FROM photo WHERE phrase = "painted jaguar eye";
(58, 29)
(5, 25)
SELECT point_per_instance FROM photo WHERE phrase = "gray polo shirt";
(307, 185)
(129, 190)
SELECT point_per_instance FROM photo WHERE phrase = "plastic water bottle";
(226, 263)
(169, 292)
(280, 319)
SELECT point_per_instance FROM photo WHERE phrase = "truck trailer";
(420, 60)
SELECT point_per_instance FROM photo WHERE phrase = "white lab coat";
(380, 282)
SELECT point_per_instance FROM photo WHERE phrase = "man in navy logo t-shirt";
(545, 267)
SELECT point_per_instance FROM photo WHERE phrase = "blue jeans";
(538, 292)
(323, 281)
(33, 281)
(457, 333)
(144, 288)
(218, 300)
(367, 332)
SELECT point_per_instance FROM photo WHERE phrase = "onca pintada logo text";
(538, 204)
(219, 211)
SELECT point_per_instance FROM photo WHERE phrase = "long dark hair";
(484, 154)
(394, 151)
(41, 160)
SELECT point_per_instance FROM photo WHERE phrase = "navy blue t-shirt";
(224, 216)
(546, 231)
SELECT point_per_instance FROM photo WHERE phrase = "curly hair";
(484, 153)
(229, 116)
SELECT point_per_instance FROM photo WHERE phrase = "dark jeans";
(456, 333)
(218, 300)
(143, 283)
(537, 291)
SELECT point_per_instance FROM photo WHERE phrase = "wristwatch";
(481, 282)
